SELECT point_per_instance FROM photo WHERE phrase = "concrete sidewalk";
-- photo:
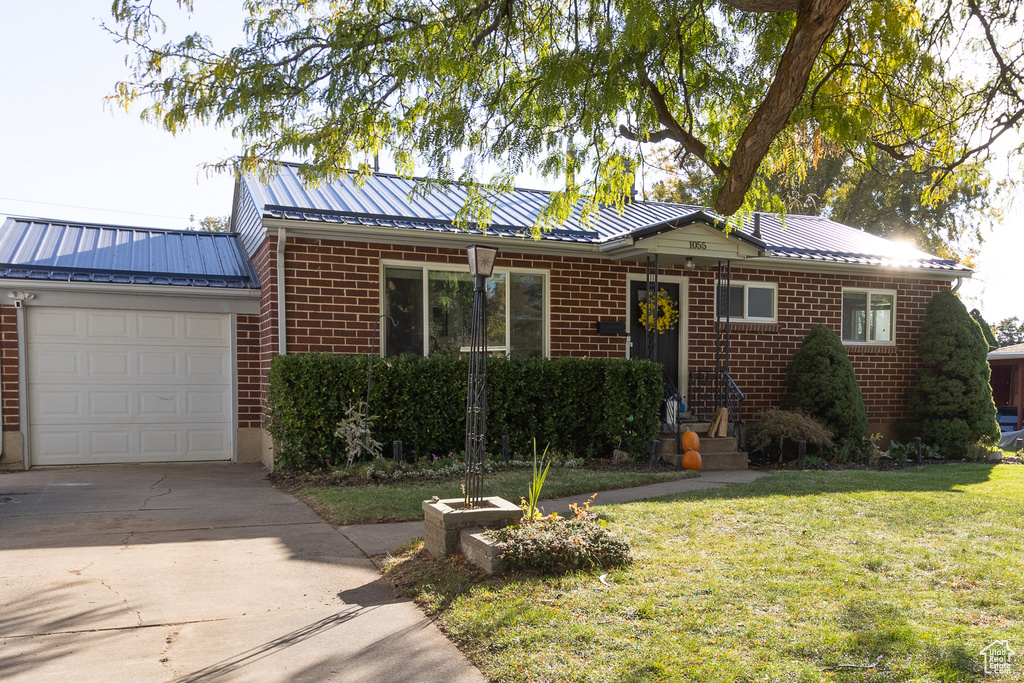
(377, 539)
(195, 572)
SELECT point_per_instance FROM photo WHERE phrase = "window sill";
(753, 327)
(888, 349)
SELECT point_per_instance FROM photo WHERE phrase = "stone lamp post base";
(445, 520)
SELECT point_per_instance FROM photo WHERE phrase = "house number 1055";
(698, 245)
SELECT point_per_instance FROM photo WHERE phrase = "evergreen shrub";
(820, 382)
(579, 407)
(951, 405)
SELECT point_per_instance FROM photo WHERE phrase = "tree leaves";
(575, 90)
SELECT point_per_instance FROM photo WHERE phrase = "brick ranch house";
(319, 266)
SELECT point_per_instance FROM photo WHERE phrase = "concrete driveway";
(195, 572)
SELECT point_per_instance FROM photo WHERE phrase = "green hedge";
(580, 407)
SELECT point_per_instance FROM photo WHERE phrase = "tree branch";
(814, 24)
(674, 131)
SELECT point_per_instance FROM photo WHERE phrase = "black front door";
(667, 340)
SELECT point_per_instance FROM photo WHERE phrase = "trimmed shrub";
(775, 427)
(951, 404)
(580, 407)
(820, 381)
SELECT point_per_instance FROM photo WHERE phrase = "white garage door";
(110, 386)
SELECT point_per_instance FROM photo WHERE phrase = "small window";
(868, 316)
(748, 301)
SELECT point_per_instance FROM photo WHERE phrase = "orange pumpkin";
(691, 460)
(691, 442)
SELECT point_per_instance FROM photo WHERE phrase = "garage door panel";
(111, 325)
(207, 442)
(109, 366)
(129, 386)
(206, 328)
(56, 406)
(55, 323)
(208, 405)
(157, 365)
(58, 447)
(156, 405)
(110, 405)
(159, 326)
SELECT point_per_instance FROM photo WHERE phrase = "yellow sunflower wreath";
(663, 315)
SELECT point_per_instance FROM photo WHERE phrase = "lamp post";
(481, 263)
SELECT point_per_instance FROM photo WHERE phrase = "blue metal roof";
(389, 201)
(37, 249)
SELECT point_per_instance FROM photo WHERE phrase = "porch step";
(712, 462)
(720, 444)
(718, 454)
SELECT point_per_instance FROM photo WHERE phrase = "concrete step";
(725, 444)
(712, 462)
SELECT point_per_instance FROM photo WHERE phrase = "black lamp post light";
(450, 525)
(481, 265)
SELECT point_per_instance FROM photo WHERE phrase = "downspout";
(22, 383)
(959, 281)
(282, 338)
(19, 311)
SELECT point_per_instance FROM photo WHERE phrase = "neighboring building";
(330, 261)
(1008, 386)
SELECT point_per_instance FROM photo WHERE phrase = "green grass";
(402, 502)
(784, 579)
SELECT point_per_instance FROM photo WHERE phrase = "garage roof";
(391, 201)
(39, 249)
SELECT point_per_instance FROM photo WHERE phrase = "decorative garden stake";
(506, 449)
(802, 455)
(481, 263)
(369, 372)
(917, 446)
(396, 450)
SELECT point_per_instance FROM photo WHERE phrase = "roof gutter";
(282, 336)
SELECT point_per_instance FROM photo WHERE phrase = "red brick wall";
(760, 353)
(9, 368)
(333, 299)
(250, 364)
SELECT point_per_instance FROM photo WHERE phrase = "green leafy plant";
(529, 504)
(908, 451)
(355, 430)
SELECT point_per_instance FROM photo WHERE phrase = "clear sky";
(67, 157)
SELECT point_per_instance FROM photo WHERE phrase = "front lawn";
(403, 501)
(802, 576)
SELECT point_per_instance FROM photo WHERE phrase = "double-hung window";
(433, 309)
(748, 302)
(869, 316)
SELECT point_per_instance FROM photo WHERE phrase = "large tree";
(573, 89)
(1009, 332)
